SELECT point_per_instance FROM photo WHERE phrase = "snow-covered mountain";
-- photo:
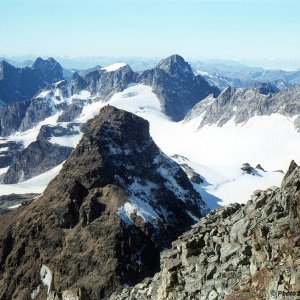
(208, 140)
(240, 105)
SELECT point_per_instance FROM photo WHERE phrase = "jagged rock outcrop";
(237, 252)
(243, 104)
(190, 172)
(247, 168)
(101, 223)
(18, 84)
(176, 86)
(12, 116)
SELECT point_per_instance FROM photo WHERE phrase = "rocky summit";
(176, 86)
(18, 84)
(237, 252)
(102, 222)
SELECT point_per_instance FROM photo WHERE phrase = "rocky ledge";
(237, 252)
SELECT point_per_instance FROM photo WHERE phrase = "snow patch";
(14, 206)
(46, 277)
(114, 67)
(33, 185)
(29, 136)
(43, 94)
(67, 141)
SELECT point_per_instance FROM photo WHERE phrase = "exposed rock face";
(266, 88)
(8, 151)
(247, 168)
(40, 156)
(102, 221)
(243, 104)
(190, 172)
(99, 83)
(176, 86)
(11, 117)
(48, 71)
(238, 252)
(72, 112)
(17, 84)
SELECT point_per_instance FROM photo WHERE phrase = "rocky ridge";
(173, 81)
(237, 252)
(19, 84)
(101, 223)
(39, 157)
(243, 104)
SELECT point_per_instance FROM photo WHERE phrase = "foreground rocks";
(102, 222)
(237, 252)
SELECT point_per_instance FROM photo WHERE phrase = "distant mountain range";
(222, 73)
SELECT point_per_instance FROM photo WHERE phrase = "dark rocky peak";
(18, 84)
(292, 167)
(176, 86)
(176, 66)
(48, 70)
(101, 223)
(76, 76)
(7, 69)
(266, 88)
(40, 63)
(4, 64)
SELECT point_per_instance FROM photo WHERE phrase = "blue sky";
(234, 29)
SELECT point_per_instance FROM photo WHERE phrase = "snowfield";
(114, 67)
(33, 185)
(216, 153)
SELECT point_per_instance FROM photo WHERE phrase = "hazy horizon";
(259, 32)
(84, 62)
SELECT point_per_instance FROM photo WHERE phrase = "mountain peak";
(176, 66)
(42, 63)
(48, 70)
(117, 201)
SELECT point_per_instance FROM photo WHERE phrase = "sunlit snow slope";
(216, 153)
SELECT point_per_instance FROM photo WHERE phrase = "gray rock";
(243, 104)
(257, 255)
(19, 84)
(176, 86)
